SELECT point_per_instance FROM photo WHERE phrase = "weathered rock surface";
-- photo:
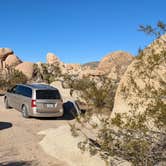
(60, 144)
(26, 68)
(90, 73)
(12, 60)
(74, 67)
(115, 64)
(91, 65)
(147, 71)
(4, 52)
(52, 59)
(71, 69)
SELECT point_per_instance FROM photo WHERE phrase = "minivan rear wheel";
(24, 112)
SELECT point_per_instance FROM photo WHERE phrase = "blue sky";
(77, 31)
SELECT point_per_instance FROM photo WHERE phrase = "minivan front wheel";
(24, 112)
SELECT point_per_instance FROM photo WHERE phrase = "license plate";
(50, 105)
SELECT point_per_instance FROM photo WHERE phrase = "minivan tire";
(6, 103)
(24, 112)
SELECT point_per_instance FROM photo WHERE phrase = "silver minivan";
(37, 100)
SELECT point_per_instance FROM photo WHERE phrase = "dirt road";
(19, 139)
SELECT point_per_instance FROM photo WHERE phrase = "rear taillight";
(33, 103)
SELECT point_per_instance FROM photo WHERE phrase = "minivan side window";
(18, 90)
(25, 91)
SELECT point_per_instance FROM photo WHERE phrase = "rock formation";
(7, 58)
(4, 52)
(112, 66)
(115, 64)
(90, 73)
(91, 65)
(12, 60)
(52, 59)
(71, 69)
(26, 68)
(144, 79)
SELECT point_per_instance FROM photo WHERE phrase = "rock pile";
(113, 65)
(7, 58)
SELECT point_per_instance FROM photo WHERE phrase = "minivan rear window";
(48, 94)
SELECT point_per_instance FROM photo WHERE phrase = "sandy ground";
(19, 141)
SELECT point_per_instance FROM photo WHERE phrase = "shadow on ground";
(5, 125)
(19, 163)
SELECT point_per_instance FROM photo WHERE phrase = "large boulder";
(117, 61)
(52, 59)
(26, 68)
(144, 80)
(4, 52)
(12, 60)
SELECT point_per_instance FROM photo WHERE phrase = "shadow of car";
(18, 163)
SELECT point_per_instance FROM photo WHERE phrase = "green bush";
(47, 73)
(98, 96)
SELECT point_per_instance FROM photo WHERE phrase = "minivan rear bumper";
(57, 114)
(47, 114)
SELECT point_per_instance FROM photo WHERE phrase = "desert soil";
(19, 141)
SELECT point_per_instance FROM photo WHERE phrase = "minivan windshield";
(48, 94)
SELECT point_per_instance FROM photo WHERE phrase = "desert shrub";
(46, 73)
(131, 141)
(98, 96)
(11, 78)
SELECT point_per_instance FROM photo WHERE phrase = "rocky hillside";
(143, 85)
(92, 65)
(111, 66)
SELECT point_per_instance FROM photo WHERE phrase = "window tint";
(47, 94)
(25, 91)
